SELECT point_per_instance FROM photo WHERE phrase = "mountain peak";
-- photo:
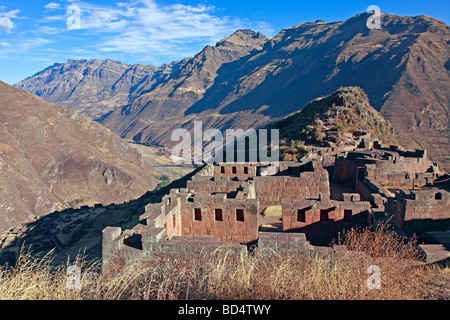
(332, 118)
(244, 37)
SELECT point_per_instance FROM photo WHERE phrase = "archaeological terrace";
(292, 206)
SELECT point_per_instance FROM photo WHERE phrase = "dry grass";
(263, 275)
(273, 211)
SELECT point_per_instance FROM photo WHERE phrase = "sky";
(35, 34)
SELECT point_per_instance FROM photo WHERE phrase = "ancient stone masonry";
(226, 205)
(401, 184)
(223, 207)
(301, 213)
(417, 211)
(390, 167)
(270, 184)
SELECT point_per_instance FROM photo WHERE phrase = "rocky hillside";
(93, 88)
(52, 158)
(248, 80)
(332, 119)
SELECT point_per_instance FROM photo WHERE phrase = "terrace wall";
(272, 191)
(322, 221)
(194, 215)
(229, 228)
(393, 169)
(418, 211)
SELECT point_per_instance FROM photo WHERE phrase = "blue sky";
(35, 34)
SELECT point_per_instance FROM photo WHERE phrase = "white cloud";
(49, 30)
(53, 18)
(23, 46)
(6, 25)
(144, 27)
(52, 6)
(11, 14)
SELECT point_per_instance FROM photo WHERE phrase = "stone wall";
(216, 185)
(279, 241)
(238, 169)
(392, 167)
(272, 191)
(257, 169)
(202, 214)
(344, 171)
(292, 181)
(322, 221)
(301, 213)
(118, 254)
(220, 217)
(417, 211)
(399, 179)
(372, 191)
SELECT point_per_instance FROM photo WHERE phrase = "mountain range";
(248, 80)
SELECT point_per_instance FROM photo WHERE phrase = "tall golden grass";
(265, 274)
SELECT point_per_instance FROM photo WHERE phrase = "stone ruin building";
(403, 185)
(225, 205)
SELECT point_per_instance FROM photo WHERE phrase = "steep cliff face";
(248, 80)
(51, 158)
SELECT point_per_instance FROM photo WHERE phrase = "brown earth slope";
(52, 158)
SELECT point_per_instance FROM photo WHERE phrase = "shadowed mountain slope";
(52, 158)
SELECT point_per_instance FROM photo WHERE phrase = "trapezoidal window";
(218, 214)
(198, 214)
(240, 215)
(438, 196)
(324, 215)
(348, 215)
(301, 215)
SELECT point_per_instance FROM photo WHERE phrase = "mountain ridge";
(403, 68)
